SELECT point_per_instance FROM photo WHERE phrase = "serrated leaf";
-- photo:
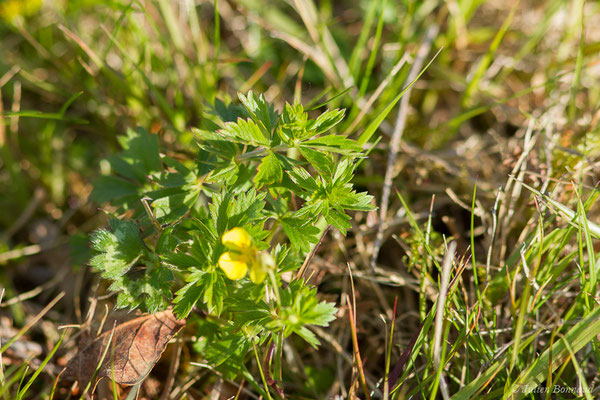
(301, 236)
(140, 156)
(112, 188)
(209, 287)
(146, 288)
(110, 267)
(227, 173)
(228, 112)
(356, 201)
(312, 209)
(167, 241)
(215, 292)
(334, 143)
(307, 335)
(327, 120)
(229, 346)
(302, 178)
(293, 123)
(182, 260)
(317, 159)
(247, 206)
(118, 250)
(186, 298)
(260, 110)
(321, 314)
(170, 208)
(300, 307)
(219, 211)
(159, 288)
(269, 171)
(339, 220)
(249, 313)
(244, 131)
(344, 172)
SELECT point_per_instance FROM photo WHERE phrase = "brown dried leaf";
(134, 348)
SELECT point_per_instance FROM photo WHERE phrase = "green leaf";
(350, 200)
(300, 307)
(219, 211)
(227, 173)
(269, 171)
(293, 124)
(118, 250)
(249, 313)
(285, 259)
(344, 172)
(301, 236)
(245, 208)
(339, 220)
(313, 208)
(326, 121)
(334, 143)
(260, 111)
(318, 314)
(215, 290)
(114, 189)
(168, 240)
(228, 112)
(307, 335)
(182, 260)
(244, 131)
(158, 290)
(140, 156)
(186, 298)
(317, 159)
(233, 347)
(147, 289)
(302, 178)
(171, 208)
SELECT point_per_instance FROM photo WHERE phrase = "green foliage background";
(139, 96)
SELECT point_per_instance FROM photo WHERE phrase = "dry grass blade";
(357, 357)
(397, 137)
(32, 322)
(439, 317)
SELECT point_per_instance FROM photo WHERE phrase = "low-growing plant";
(226, 229)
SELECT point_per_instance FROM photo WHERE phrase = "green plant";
(261, 191)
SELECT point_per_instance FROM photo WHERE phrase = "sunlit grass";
(498, 155)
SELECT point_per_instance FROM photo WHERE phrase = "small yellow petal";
(237, 239)
(267, 261)
(257, 274)
(11, 9)
(260, 265)
(234, 266)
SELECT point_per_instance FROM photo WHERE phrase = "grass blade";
(372, 127)
(581, 334)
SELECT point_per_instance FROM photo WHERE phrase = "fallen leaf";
(130, 351)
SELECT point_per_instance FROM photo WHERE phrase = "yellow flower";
(244, 256)
(234, 265)
(11, 9)
(260, 266)
(237, 239)
(257, 273)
